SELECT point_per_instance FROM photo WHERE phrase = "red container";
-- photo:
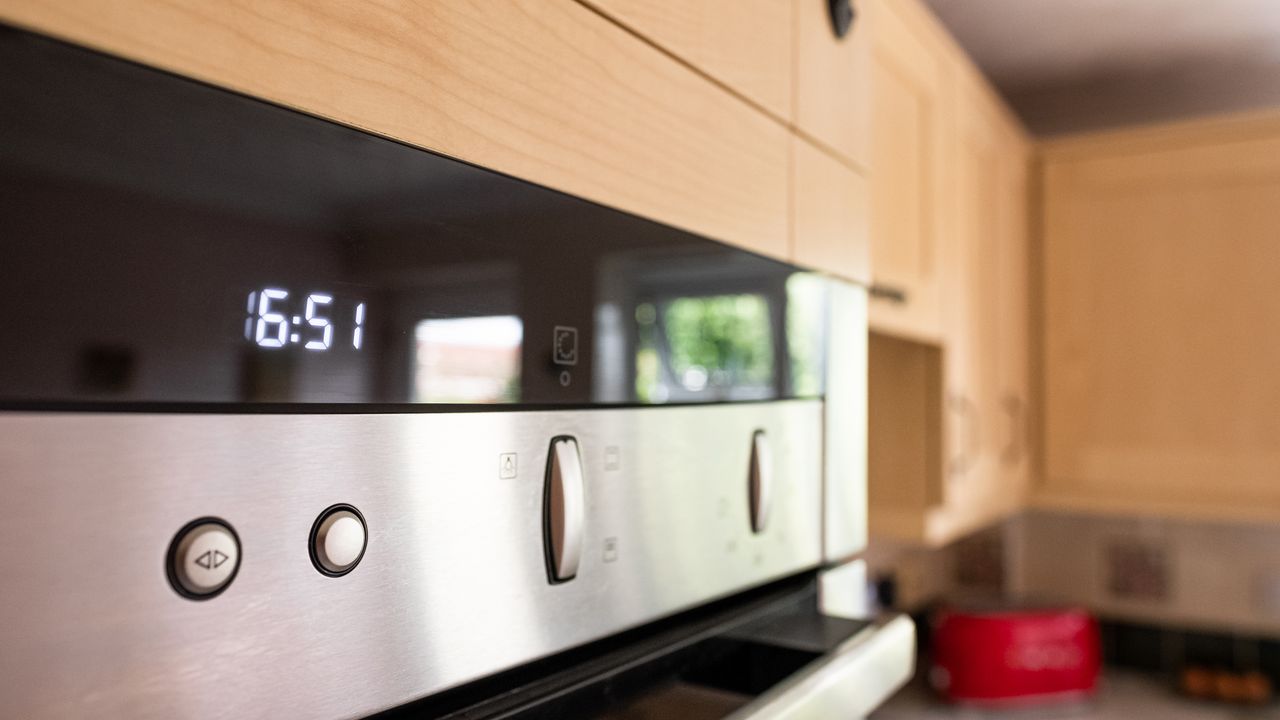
(1015, 657)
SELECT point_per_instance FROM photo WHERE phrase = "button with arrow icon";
(212, 559)
(203, 558)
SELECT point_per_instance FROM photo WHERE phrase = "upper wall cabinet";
(911, 115)
(796, 62)
(969, 308)
(546, 90)
(830, 214)
(1013, 310)
(985, 314)
(744, 44)
(1160, 267)
(833, 80)
(948, 416)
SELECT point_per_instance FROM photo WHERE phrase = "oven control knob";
(760, 482)
(338, 540)
(563, 510)
(203, 558)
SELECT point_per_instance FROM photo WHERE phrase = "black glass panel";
(168, 242)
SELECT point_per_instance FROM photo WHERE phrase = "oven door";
(770, 653)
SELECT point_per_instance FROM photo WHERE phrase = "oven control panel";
(411, 552)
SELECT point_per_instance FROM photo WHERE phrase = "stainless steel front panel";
(453, 584)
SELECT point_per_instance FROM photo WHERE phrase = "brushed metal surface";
(453, 584)
(849, 682)
(844, 506)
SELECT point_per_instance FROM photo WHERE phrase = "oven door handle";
(851, 681)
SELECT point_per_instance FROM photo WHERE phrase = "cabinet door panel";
(1013, 313)
(949, 370)
(908, 123)
(830, 206)
(833, 81)
(983, 308)
(745, 44)
(1160, 260)
(971, 299)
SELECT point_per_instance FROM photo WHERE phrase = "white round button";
(338, 541)
(204, 558)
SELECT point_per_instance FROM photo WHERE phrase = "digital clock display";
(280, 318)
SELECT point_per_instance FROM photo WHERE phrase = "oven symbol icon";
(564, 346)
(507, 466)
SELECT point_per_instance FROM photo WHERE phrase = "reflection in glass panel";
(806, 325)
(697, 348)
(468, 360)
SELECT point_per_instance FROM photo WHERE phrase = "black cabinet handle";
(888, 292)
(842, 14)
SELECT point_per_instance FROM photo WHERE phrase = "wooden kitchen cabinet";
(744, 44)
(1160, 263)
(830, 206)
(833, 103)
(906, 449)
(1014, 309)
(970, 309)
(785, 56)
(949, 416)
(985, 316)
(782, 55)
(911, 116)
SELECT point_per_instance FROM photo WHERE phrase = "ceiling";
(1075, 65)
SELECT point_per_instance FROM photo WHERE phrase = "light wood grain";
(904, 399)
(546, 90)
(972, 263)
(745, 44)
(984, 320)
(830, 206)
(833, 81)
(917, 69)
(1257, 125)
(1016, 400)
(970, 288)
(909, 126)
(1160, 263)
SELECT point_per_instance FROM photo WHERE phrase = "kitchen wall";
(974, 569)
(1187, 573)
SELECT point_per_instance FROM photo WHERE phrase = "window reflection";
(715, 347)
(468, 360)
(806, 328)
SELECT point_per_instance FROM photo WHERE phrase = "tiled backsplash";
(1170, 595)
(1212, 577)
(1169, 592)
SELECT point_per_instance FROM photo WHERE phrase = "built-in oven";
(298, 421)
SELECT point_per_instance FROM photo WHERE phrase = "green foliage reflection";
(710, 342)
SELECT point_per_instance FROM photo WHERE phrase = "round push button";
(203, 558)
(338, 540)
